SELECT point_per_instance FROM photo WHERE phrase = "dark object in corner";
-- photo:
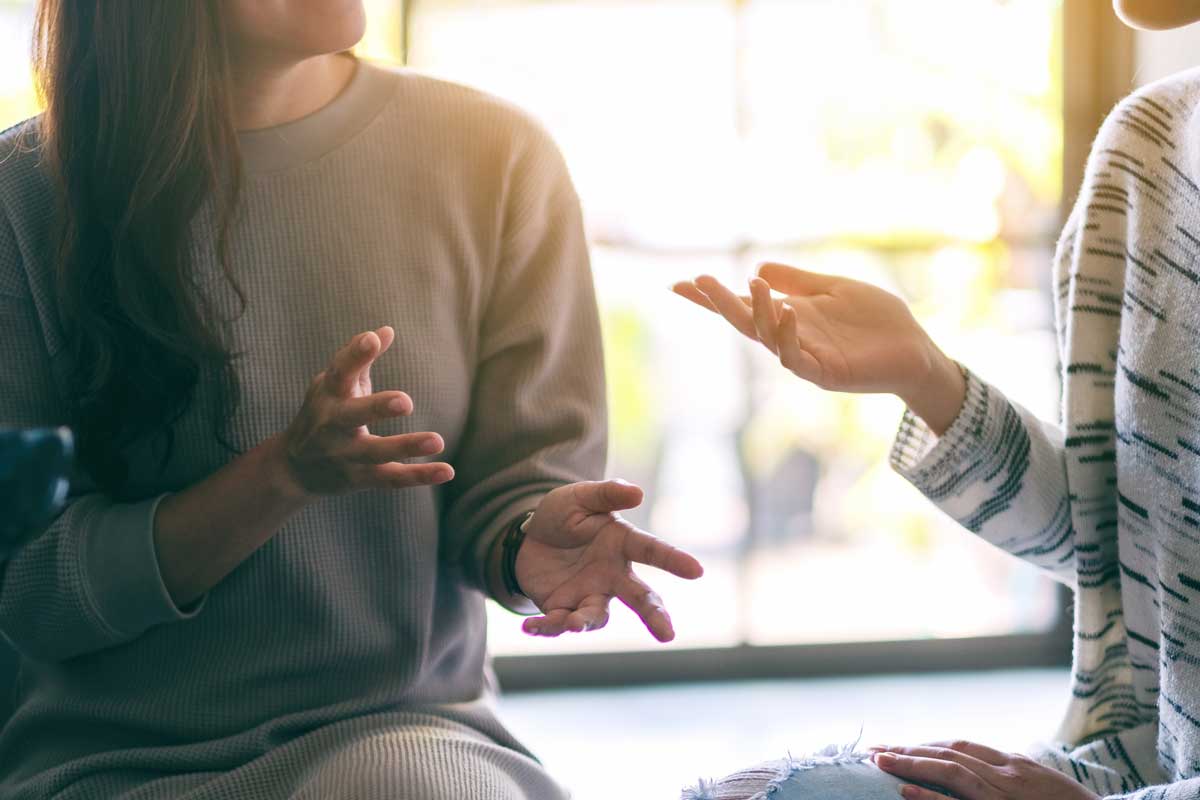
(34, 466)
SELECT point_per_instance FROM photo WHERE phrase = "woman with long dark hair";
(264, 586)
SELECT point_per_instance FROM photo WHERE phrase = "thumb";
(604, 496)
(790, 280)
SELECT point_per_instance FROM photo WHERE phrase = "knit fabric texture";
(1109, 502)
(347, 657)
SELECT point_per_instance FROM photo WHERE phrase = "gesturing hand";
(974, 772)
(328, 447)
(578, 554)
(840, 334)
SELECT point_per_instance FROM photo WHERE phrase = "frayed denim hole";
(762, 781)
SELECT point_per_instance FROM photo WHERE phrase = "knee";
(742, 785)
(842, 775)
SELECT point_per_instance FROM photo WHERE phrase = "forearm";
(1000, 472)
(937, 396)
(202, 533)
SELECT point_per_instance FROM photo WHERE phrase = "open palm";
(578, 555)
(840, 334)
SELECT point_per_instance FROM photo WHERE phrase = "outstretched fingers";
(642, 548)
(790, 280)
(354, 360)
(405, 476)
(606, 496)
(735, 310)
(688, 291)
(402, 446)
(552, 623)
(359, 411)
(792, 354)
(591, 614)
(645, 602)
(987, 755)
(766, 314)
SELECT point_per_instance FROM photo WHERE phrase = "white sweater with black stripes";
(1109, 502)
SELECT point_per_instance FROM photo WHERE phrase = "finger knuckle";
(947, 771)
(315, 387)
(1014, 779)
(402, 480)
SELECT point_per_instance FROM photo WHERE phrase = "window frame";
(1098, 70)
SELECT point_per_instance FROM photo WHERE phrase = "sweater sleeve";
(1120, 766)
(90, 580)
(1000, 472)
(537, 418)
(1182, 790)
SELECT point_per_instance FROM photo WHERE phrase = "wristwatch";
(514, 537)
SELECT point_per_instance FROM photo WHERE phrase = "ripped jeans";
(835, 773)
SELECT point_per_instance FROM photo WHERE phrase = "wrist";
(282, 482)
(502, 582)
(938, 394)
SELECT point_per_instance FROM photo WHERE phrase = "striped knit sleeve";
(1182, 790)
(1122, 766)
(538, 417)
(1000, 472)
(90, 580)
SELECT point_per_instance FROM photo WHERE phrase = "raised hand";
(975, 772)
(329, 447)
(840, 334)
(578, 555)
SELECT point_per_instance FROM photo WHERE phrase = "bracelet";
(514, 537)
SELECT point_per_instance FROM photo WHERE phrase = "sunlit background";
(918, 144)
(847, 136)
(850, 137)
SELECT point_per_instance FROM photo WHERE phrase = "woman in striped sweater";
(1108, 502)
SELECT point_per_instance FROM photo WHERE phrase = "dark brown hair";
(138, 135)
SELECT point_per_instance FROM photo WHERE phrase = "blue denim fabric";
(834, 774)
(860, 781)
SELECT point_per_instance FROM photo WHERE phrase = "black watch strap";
(514, 537)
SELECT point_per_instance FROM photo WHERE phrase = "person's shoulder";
(20, 148)
(26, 200)
(25, 189)
(1156, 119)
(485, 120)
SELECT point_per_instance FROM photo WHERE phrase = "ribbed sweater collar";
(306, 139)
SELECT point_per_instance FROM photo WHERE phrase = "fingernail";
(444, 474)
(875, 748)
(909, 792)
(885, 759)
(364, 344)
(431, 445)
(399, 405)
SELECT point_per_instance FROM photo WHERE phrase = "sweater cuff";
(928, 460)
(121, 572)
(487, 542)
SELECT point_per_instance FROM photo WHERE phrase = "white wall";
(1160, 53)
